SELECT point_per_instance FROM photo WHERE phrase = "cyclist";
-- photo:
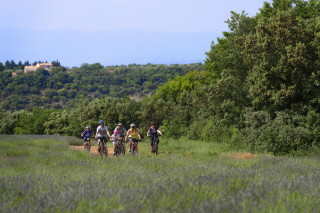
(115, 140)
(121, 131)
(153, 134)
(135, 136)
(101, 133)
(86, 134)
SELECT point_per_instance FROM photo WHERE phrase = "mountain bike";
(87, 145)
(119, 148)
(103, 147)
(122, 146)
(133, 147)
(155, 144)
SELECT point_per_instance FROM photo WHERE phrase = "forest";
(258, 88)
(64, 87)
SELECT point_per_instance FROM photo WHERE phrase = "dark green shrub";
(286, 133)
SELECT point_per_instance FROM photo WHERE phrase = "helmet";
(153, 123)
(87, 127)
(119, 124)
(101, 122)
(115, 132)
(132, 125)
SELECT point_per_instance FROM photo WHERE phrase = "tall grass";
(40, 174)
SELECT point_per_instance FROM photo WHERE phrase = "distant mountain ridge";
(107, 47)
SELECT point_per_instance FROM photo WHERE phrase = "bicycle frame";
(88, 146)
(103, 147)
(133, 147)
(155, 142)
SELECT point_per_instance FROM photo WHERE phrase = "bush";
(196, 129)
(286, 133)
(174, 128)
(213, 131)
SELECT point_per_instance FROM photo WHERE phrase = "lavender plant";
(41, 174)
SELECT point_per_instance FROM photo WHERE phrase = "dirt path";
(93, 149)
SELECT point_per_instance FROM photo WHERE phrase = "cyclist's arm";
(148, 133)
(127, 134)
(138, 135)
(82, 134)
(108, 134)
(159, 132)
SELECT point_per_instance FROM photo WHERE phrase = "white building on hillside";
(46, 66)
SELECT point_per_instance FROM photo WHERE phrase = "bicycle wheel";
(100, 149)
(133, 149)
(105, 150)
(123, 149)
(118, 150)
(157, 146)
(86, 147)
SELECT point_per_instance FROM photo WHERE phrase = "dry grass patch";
(239, 155)
(93, 149)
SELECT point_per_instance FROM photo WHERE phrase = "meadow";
(42, 174)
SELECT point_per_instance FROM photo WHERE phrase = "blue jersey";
(87, 134)
(153, 132)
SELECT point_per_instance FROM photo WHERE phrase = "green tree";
(1, 67)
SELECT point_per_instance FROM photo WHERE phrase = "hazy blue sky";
(150, 18)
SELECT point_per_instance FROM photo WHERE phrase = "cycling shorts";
(85, 140)
(135, 140)
(151, 140)
(102, 138)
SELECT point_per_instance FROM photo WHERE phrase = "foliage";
(285, 133)
(267, 65)
(62, 87)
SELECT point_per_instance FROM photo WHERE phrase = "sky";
(159, 31)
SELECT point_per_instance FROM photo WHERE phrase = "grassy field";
(42, 174)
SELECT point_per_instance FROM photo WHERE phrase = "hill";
(62, 87)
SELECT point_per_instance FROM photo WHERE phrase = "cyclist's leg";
(151, 143)
(136, 146)
(115, 144)
(84, 143)
(105, 143)
(99, 144)
(100, 141)
(123, 144)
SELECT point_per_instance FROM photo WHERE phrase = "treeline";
(71, 121)
(62, 87)
(19, 67)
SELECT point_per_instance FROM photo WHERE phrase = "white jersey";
(102, 131)
(115, 138)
